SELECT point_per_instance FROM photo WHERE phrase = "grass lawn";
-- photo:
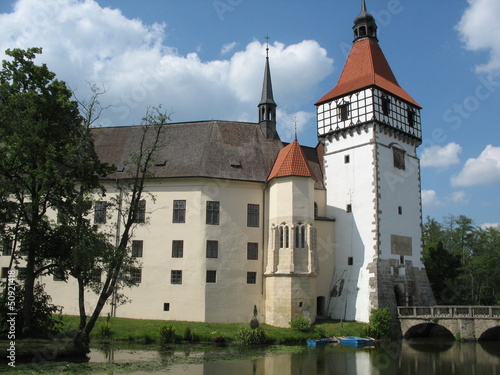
(147, 331)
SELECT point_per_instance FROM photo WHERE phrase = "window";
(8, 213)
(300, 237)
(166, 306)
(350, 261)
(400, 210)
(281, 237)
(399, 158)
(253, 215)
(5, 272)
(136, 275)
(96, 275)
(176, 277)
(179, 212)
(252, 250)
(213, 213)
(348, 208)
(316, 210)
(137, 249)
(344, 111)
(59, 275)
(23, 251)
(347, 159)
(386, 108)
(411, 117)
(212, 249)
(21, 273)
(177, 249)
(251, 277)
(211, 276)
(140, 215)
(8, 246)
(100, 212)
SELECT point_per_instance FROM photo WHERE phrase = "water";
(409, 357)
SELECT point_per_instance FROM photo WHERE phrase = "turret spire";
(267, 105)
(364, 25)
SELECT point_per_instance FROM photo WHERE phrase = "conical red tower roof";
(366, 66)
(291, 161)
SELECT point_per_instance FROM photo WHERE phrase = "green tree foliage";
(462, 261)
(380, 323)
(44, 151)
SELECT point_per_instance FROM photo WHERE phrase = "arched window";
(281, 236)
(300, 236)
(287, 237)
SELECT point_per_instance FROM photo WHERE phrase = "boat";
(316, 343)
(356, 342)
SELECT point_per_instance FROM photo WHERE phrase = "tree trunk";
(81, 304)
(29, 297)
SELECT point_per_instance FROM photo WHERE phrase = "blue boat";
(317, 343)
(356, 342)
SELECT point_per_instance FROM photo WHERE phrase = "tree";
(43, 150)
(116, 259)
(462, 262)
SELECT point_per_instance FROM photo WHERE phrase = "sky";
(204, 60)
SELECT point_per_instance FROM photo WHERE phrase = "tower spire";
(267, 105)
(364, 25)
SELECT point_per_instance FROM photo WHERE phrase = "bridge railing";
(484, 312)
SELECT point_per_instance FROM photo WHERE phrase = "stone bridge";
(464, 322)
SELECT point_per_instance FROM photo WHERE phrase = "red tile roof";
(366, 66)
(291, 161)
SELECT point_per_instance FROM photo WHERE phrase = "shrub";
(190, 336)
(252, 337)
(105, 331)
(380, 323)
(301, 324)
(167, 334)
(320, 331)
(254, 323)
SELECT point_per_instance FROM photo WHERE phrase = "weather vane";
(267, 45)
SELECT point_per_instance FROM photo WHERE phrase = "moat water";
(408, 357)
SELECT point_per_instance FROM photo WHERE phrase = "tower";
(267, 105)
(370, 127)
(291, 268)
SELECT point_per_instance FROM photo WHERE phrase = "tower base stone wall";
(290, 296)
(401, 285)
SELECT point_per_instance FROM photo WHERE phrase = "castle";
(236, 218)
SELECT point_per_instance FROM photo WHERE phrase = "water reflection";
(409, 357)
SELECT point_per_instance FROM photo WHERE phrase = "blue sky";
(204, 59)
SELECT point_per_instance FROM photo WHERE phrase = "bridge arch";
(428, 329)
(491, 334)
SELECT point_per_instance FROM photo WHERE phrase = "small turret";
(364, 25)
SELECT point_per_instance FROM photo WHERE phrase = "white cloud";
(459, 197)
(484, 170)
(226, 48)
(441, 157)
(490, 225)
(430, 199)
(479, 31)
(83, 41)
